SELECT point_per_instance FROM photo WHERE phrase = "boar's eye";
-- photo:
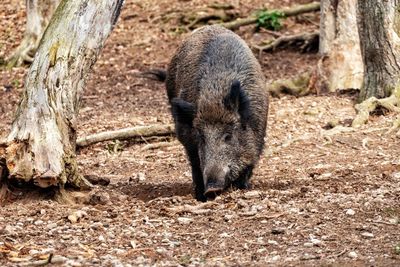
(227, 137)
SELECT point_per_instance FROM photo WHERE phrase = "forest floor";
(318, 198)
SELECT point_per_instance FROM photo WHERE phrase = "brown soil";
(318, 198)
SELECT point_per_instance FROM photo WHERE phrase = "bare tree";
(379, 27)
(38, 15)
(41, 144)
(340, 66)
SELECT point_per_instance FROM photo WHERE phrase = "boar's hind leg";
(197, 176)
(243, 182)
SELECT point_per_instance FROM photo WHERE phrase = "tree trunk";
(379, 27)
(340, 66)
(38, 15)
(41, 145)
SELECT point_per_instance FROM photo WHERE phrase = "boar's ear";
(237, 100)
(182, 111)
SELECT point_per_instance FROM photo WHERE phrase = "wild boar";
(220, 105)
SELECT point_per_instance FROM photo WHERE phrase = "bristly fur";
(219, 103)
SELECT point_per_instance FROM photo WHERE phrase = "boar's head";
(217, 127)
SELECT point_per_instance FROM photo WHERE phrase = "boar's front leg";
(243, 182)
(197, 175)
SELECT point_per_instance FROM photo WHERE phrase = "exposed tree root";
(221, 6)
(24, 53)
(325, 134)
(391, 103)
(127, 133)
(298, 86)
(305, 41)
(219, 15)
(287, 12)
(38, 16)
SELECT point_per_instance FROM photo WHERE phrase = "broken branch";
(287, 12)
(126, 133)
(306, 39)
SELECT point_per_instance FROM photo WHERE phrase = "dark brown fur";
(219, 102)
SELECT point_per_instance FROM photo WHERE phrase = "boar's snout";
(214, 179)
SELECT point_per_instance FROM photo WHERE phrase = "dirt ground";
(319, 198)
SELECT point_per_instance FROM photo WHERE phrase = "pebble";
(38, 222)
(308, 244)
(183, 220)
(272, 242)
(141, 177)
(51, 226)
(275, 258)
(315, 241)
(161, 250)
(76, 216)
(352, 254)
(58, 259)
(66, 237)
(102, 239)
(228, 217)
(9, 230)
(96, 225)
(224, 235)
(350, 212)
(242, 204)
(367, 234)
(252, 194)
(33, 252)
(99, 198)
(277, 231)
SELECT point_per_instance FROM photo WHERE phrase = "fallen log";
(287, 12)
(126, 133)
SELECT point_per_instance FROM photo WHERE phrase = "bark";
(41, 144)
(341, 65)
(379, 28)
(38, 15)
